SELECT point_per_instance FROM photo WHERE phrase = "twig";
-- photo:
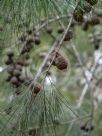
(82, 96)
(57, 44)
(87, 85)
(50, 21)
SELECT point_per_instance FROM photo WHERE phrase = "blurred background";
(69, 102)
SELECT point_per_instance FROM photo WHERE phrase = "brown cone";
(8, 61)
(69, 35)
(36, 88)
(32, 131)
(61, 63)
(16, 73)
(14, 80)
(10, 53)
(78, 14)
(94, 21)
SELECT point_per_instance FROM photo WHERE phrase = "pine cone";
(78, 14)
(69, 35)
(61, 63)
(36, 88)
(94, 21)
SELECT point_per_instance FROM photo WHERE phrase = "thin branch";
(57, 44)
(87, 85)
